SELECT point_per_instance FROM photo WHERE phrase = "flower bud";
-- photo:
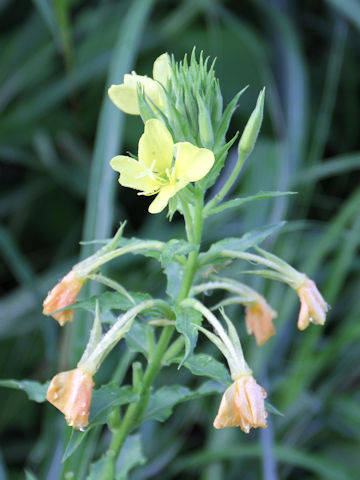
(205, 125)
(162, 69)
(70, 392)
(252, 128)
(242, 405)
(62, 295)
(313, 307)
(125, 96)
(258, 318)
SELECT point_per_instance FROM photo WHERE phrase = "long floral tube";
(246, 293)
(212, 320)
(259, 314)
(288, 274)
(313, 306)
(116, 332)
(236, 360)
(108, 282)
(87, 267)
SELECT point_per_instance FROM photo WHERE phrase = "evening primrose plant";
(180, 156)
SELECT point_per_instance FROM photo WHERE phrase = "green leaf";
(163, 400)
(250, 239)
(270, 408)
(111, 301)
(227, 115)
(34, 390)
(236, 202)
(205, 365)
(103, 401)
(220, 157)
(137, 338)
(106, 398)
(186, 319)
(146, 252)
(173, 248)
(131, 455)
(174, 273)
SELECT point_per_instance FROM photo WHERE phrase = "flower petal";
(125, 98)
(192, 162)
(133, 174)
(156, 146)
(152, 89)
(162, 198)
(62, 295)
(71, 393)
(161, 69)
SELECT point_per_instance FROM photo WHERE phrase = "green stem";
(136, 410)
(194, 232)
(91, 264)
(174, 349)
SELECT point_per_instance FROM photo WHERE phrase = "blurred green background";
(58, 132)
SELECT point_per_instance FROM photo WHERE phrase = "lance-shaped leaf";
(95, 334)
(205, 365)
(163, 400)
(237, 202)
(187, 320)
(34, 390)
(241, 244)
(174, 248)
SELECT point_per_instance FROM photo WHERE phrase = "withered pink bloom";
(62, 295)
(242, 405)
(71, 392)
(258, 318)
(313, 307)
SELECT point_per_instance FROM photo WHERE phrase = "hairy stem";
(135, 411)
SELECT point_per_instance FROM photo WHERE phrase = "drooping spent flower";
(62, 295)
(71, 392)
(258, 318)
(242, 405)
(67, 289)
(313, 307)
(125, 96)
(163, 168)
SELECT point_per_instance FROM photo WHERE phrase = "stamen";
(148, 194)
(148, 171)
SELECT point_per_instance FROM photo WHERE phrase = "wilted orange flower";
(62, 295)
(313, 307)
(258, 318)
(71, 392)
(242, 405)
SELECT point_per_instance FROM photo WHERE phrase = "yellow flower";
(258, 318)
(71, 392)
(313, 307)
(156, 171)
(242, 405)
(62, 295)
(124, 96)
